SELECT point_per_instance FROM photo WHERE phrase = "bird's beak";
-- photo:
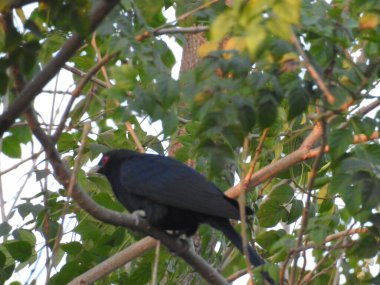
(93, 170)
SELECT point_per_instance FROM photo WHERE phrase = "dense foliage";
(297, 76)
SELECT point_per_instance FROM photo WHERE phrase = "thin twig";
(99, 56)
(236, 275)
(147, 34)
(139, 146)
(181, 30)
(242, 199)
(18, 194)
(254, 161)
(313, 72)
(155, 263)
(284, 267)
(83, 74)
(360, 138)
(305, 212)
(87, 77)
(2, 201)
(243, 218)
(309, 276)
(72, 182)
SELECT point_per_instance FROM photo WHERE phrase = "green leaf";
(106, 201)
(125, 76)
(268, 238)
(96, 149)
(22, 134)
(141, 273)
(255, 38)
(295, 211)
(72, 248)
(66, 143)
(288, 11)
(285, 243)
(3, 258)
(339, 140)
(267, 110)
(168, 91)
(11, 147)
(151, 11)
(25, 235)
(366, 247)
(326, 205)
(221, 26)
(6, 271)
(282, 194)
(320, 226)
(68, 272)
(170, 123)
(28, 208)
(234, 135)
(88, 230)
(53, 42)
(153, 143)
(270, 213)
(273, 209)
(298, 100)
(19, 250)
(5, 228)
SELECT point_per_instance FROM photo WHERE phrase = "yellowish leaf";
(207, 47)
(368, 21)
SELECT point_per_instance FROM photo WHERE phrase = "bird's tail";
(226, 228)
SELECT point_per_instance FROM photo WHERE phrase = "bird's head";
(103, 165)
(111, 160)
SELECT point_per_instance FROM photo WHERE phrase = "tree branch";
(313, 72)
(115, 261)
(304, 152)
(280, 165)
(83, 74)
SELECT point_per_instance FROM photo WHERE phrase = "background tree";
(279, 108)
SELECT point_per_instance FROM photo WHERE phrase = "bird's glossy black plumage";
(172, 195)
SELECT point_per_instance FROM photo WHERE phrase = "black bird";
(172, 195)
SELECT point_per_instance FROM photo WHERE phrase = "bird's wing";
(169, 182)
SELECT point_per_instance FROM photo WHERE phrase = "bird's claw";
(138, 214)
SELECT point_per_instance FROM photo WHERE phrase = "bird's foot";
(187, 241)
(138, 214)
(175, 233)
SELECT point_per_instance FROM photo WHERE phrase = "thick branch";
(304, 152)
(115, 261)
(280, 165)
(34, 87)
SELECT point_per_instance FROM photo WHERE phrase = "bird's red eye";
(105, 160)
